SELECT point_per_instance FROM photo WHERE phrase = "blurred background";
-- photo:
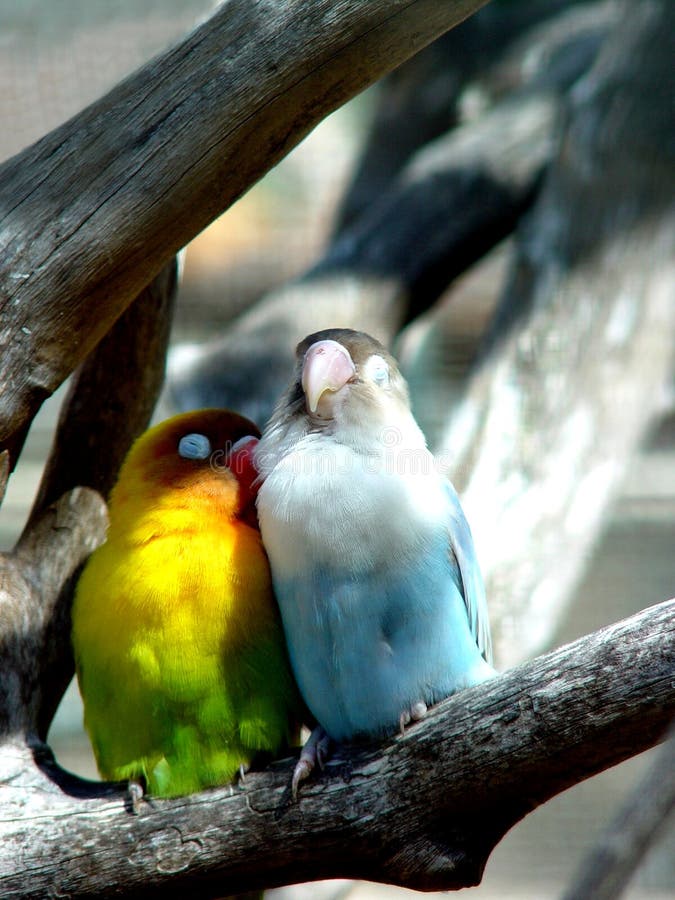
(55, 57)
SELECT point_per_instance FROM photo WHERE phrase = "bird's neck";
(139, 518)
(382, 443)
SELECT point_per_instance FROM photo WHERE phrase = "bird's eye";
(194, 446)
(377, 369)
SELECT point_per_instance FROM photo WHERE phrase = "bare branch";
(35, 585)
(607, 869)
(91, 213)
(456, 198)
(109, 404)
(113, 394)
(583, 343)
(424, 811)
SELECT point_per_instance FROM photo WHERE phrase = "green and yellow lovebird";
(179, 648)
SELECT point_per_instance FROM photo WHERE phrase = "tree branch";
(607, 869)
(110, 402)
(420, 101)
(424, 811)
(454, 200)
(36, 581)
(126, 183)
(113, 394)
(582, 344)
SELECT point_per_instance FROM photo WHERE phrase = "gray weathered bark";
(582, 347)
(423, 811)
(126, 183)
(113, 394)
(109, 404)
(35, 585)
(646, 812)
(426, 809)
(457, 198)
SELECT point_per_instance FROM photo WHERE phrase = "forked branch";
(423, 811)
(91, 213)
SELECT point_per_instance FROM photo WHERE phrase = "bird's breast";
(331, 506)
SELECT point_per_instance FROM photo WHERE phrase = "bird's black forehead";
(361, 346)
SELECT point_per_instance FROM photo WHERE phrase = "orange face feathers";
(202, 454)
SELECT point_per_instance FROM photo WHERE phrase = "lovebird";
(178, 645)
(372, 559)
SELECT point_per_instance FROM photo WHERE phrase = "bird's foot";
(416, 712)
(241, 773)
(135, 793)
(315, 752)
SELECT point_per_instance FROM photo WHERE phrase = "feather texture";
(373, 563)
(178, 645)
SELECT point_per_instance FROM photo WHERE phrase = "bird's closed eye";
(377, 369)
(194, 446)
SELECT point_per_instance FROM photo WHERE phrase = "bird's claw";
(414, 714)
(323, 750)
(135, 792)
(303, 769)
(315, 752)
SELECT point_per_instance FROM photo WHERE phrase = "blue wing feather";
(473, 589)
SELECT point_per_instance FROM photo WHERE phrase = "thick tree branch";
(454, 200)
(113, 394)
(109, 404)
(35, 585)
(423, 811)
(583, 342)
(607, 869)
(91, 213)
(421, 100)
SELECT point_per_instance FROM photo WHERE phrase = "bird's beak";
(327, 367)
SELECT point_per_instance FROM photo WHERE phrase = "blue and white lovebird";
(372, 559)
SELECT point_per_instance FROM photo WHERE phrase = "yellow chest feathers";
(182, 577)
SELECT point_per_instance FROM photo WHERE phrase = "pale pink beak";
(327, 367)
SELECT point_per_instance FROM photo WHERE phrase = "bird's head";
(343, 377)
(345, 386)
(204, 455)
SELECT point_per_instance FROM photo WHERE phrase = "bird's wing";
(461, 545)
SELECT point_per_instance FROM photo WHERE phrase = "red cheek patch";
(242, 465)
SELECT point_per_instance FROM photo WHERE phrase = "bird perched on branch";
(179, 649)
(372, 559)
